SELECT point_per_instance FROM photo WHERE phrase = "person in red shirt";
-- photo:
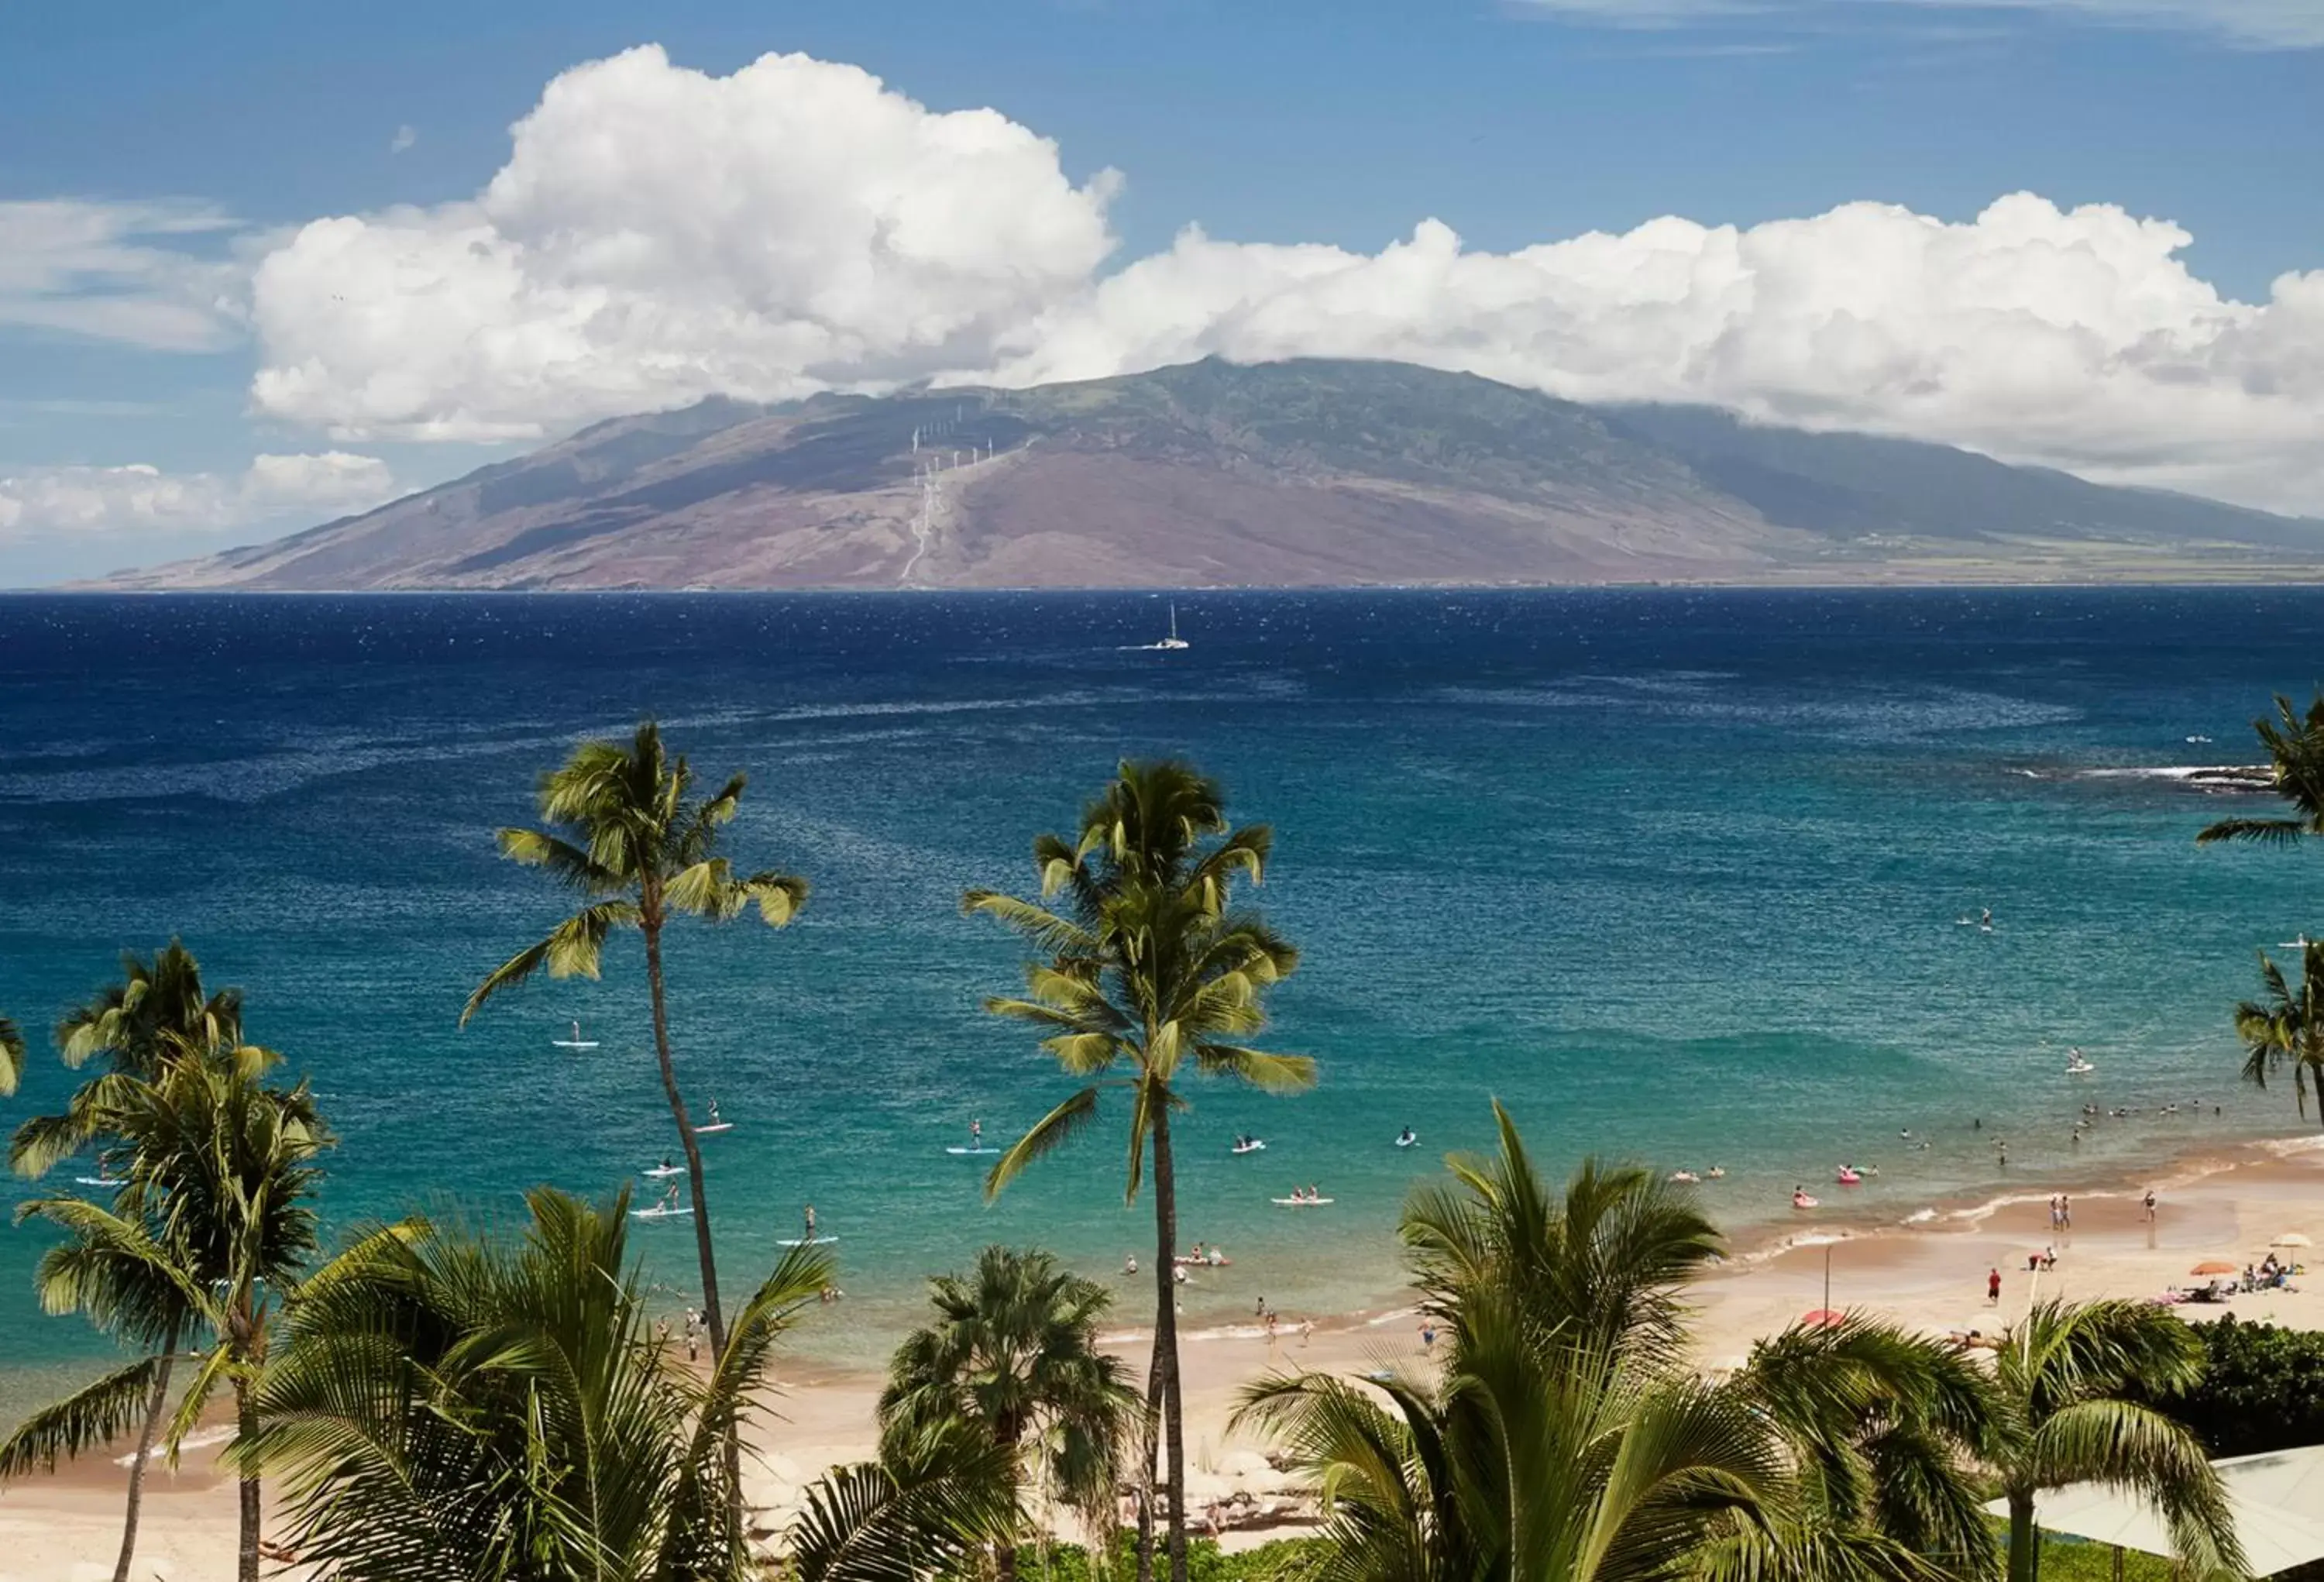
(1993, 1287)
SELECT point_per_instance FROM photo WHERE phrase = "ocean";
(1675, 875)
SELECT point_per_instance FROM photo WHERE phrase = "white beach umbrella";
(2291, 1238)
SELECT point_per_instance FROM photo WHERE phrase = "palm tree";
(11, 1057)
(1013, 1353)
(2295, 754)
(448, 1404)
(937, 1496)
(1565, 1439)
(1882, 1429)
(209, 1228)
(2287, 1027)
(157, 1008)
(134, 1027)
(1145, 967)
(2061, 1377)
(624, 836)
(121, 1297)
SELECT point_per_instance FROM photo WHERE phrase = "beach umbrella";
(1823, 1318)
(2214, 1266)
(2291, 1238)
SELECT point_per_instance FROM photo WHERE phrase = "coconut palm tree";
(939, 1494)
(134, 1026)
(123, 1298)
(2287, 1027)
(1566, 1439)
(448, 1404)
(209, 1228)
(1145, 969)
(2295, 754)
(2060, 1380)
(626, 836)
(11, 1057)
(1013, 1353)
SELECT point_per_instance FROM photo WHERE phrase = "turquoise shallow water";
(1673, 873)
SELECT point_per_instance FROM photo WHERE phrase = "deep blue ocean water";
(1674, 873)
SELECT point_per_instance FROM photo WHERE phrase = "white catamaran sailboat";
(1174, 640)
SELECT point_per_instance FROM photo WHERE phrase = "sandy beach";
(1932, 1276)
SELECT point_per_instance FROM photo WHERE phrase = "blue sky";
(1263, 121)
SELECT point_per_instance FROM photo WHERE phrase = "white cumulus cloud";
(2072, 337)
(659, 235)
(119, 272)
(139, 499)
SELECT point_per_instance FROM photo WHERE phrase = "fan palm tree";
(209, 1228)
(2061, 1379)
(2287, 1027)
(1565, 1439)
(625, 835)
(1013, 1353)
(448, 1404)
(136, 1025)
(2295, 754)
(1143, 968)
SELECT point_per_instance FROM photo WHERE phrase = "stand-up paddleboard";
(957, 1149)
(1255, 1145)
(1407, 1142)
(661, 1212)
(576, 1043)
(102, 1181)
(807, 1242)
(714, 1126)
(661, 1171)
(1300, 1202)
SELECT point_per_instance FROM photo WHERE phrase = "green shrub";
(2264, 1389)
(1285, 1560)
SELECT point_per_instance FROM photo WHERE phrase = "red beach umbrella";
(1823, 1318)
(2214, 1266)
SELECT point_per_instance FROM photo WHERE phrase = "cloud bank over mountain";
(660, 235)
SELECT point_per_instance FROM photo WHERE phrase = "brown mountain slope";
(1283, 473)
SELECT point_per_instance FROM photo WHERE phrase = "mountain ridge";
(1299, 473)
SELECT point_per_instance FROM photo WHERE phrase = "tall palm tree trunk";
(1149, 1447)
(144, 1454)
(2024, 1542)
(1165, 1340)
(710, 1313)
(245, 1422)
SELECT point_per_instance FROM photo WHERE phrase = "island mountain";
(1286, 474)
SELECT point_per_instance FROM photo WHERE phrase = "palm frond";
(1268, 1073)
(11, 1057)
(564, 861)
(919, 1512)
(90, 1419)
(2265, 831)
(1050, 1133)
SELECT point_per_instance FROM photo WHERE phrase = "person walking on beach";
(2150, 1205)
(1993, 1287)
(2065, 1212)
